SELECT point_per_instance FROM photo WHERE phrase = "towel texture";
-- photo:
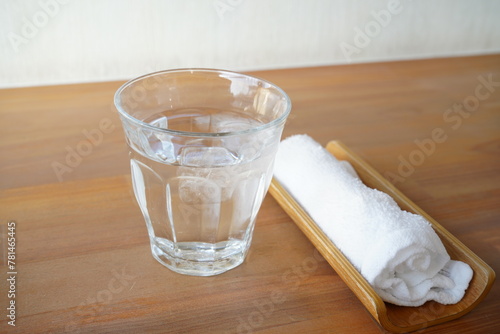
(396, 251)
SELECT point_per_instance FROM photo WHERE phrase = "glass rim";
(274, 122)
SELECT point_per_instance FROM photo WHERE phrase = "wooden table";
(82, 258)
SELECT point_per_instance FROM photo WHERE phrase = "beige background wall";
(64, 41)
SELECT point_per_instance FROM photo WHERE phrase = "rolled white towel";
(396, 251)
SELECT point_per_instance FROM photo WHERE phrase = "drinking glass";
(202, 146)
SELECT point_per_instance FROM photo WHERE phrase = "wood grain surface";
(83, 263)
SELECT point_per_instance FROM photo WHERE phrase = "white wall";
(64, 41)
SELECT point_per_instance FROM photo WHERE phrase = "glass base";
(198, 258)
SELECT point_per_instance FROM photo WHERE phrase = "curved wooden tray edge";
(393, 318)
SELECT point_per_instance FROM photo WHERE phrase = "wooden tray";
(393, 318)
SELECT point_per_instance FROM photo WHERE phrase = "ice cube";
(227, 123)
(157, 145)
(196, 212)
(161, 122)
(247, 198)
(225, 178)
(197, 190)
(199, 156)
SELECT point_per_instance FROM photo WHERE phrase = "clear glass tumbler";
(202, 146)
